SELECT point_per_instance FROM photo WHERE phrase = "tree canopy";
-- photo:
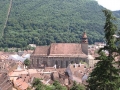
(58, 86)
(76, 86)
(105, 76)
(27, 62)
(38, 85)
(45, 21)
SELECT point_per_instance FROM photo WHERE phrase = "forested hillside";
(4, 5)
(45, 21)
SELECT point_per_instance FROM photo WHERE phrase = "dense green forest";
(45, 21)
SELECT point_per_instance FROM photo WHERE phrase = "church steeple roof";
(84, 38)
(84, 35)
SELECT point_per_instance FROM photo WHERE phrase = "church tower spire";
(84, 38)
(84, 43)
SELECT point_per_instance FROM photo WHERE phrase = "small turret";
(84, 38)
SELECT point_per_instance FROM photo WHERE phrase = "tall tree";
(105, 76)
(76, 86)
(58, 86)
(38, 85)
(27, 62)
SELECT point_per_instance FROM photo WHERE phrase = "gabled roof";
(41, 50)
(60, 50)
(66, 49)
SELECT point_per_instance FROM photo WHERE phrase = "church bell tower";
(84, 38)
(84, 43)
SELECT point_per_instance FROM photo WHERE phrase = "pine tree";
(76, 86)
(105, 76)
(58, 86)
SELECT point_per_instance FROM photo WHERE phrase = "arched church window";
(61, 63)
(56, 62)
(71, 62)
(66, 63)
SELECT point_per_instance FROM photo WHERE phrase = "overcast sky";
(110, 4)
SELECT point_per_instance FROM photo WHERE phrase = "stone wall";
(92, 62)
(60, 62)
(84, 48)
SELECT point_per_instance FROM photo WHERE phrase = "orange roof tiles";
(19, 83)
(78, 71)
(24, 86)
(60, 49)
(65, 49)
(41, 50)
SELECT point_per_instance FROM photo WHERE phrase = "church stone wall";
(84, 48)
(60, 62)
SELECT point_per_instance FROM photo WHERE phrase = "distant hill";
(45, 21)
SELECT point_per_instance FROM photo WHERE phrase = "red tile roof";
(41, 50)
(19, 83)
(60, 49)
(65, 49)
